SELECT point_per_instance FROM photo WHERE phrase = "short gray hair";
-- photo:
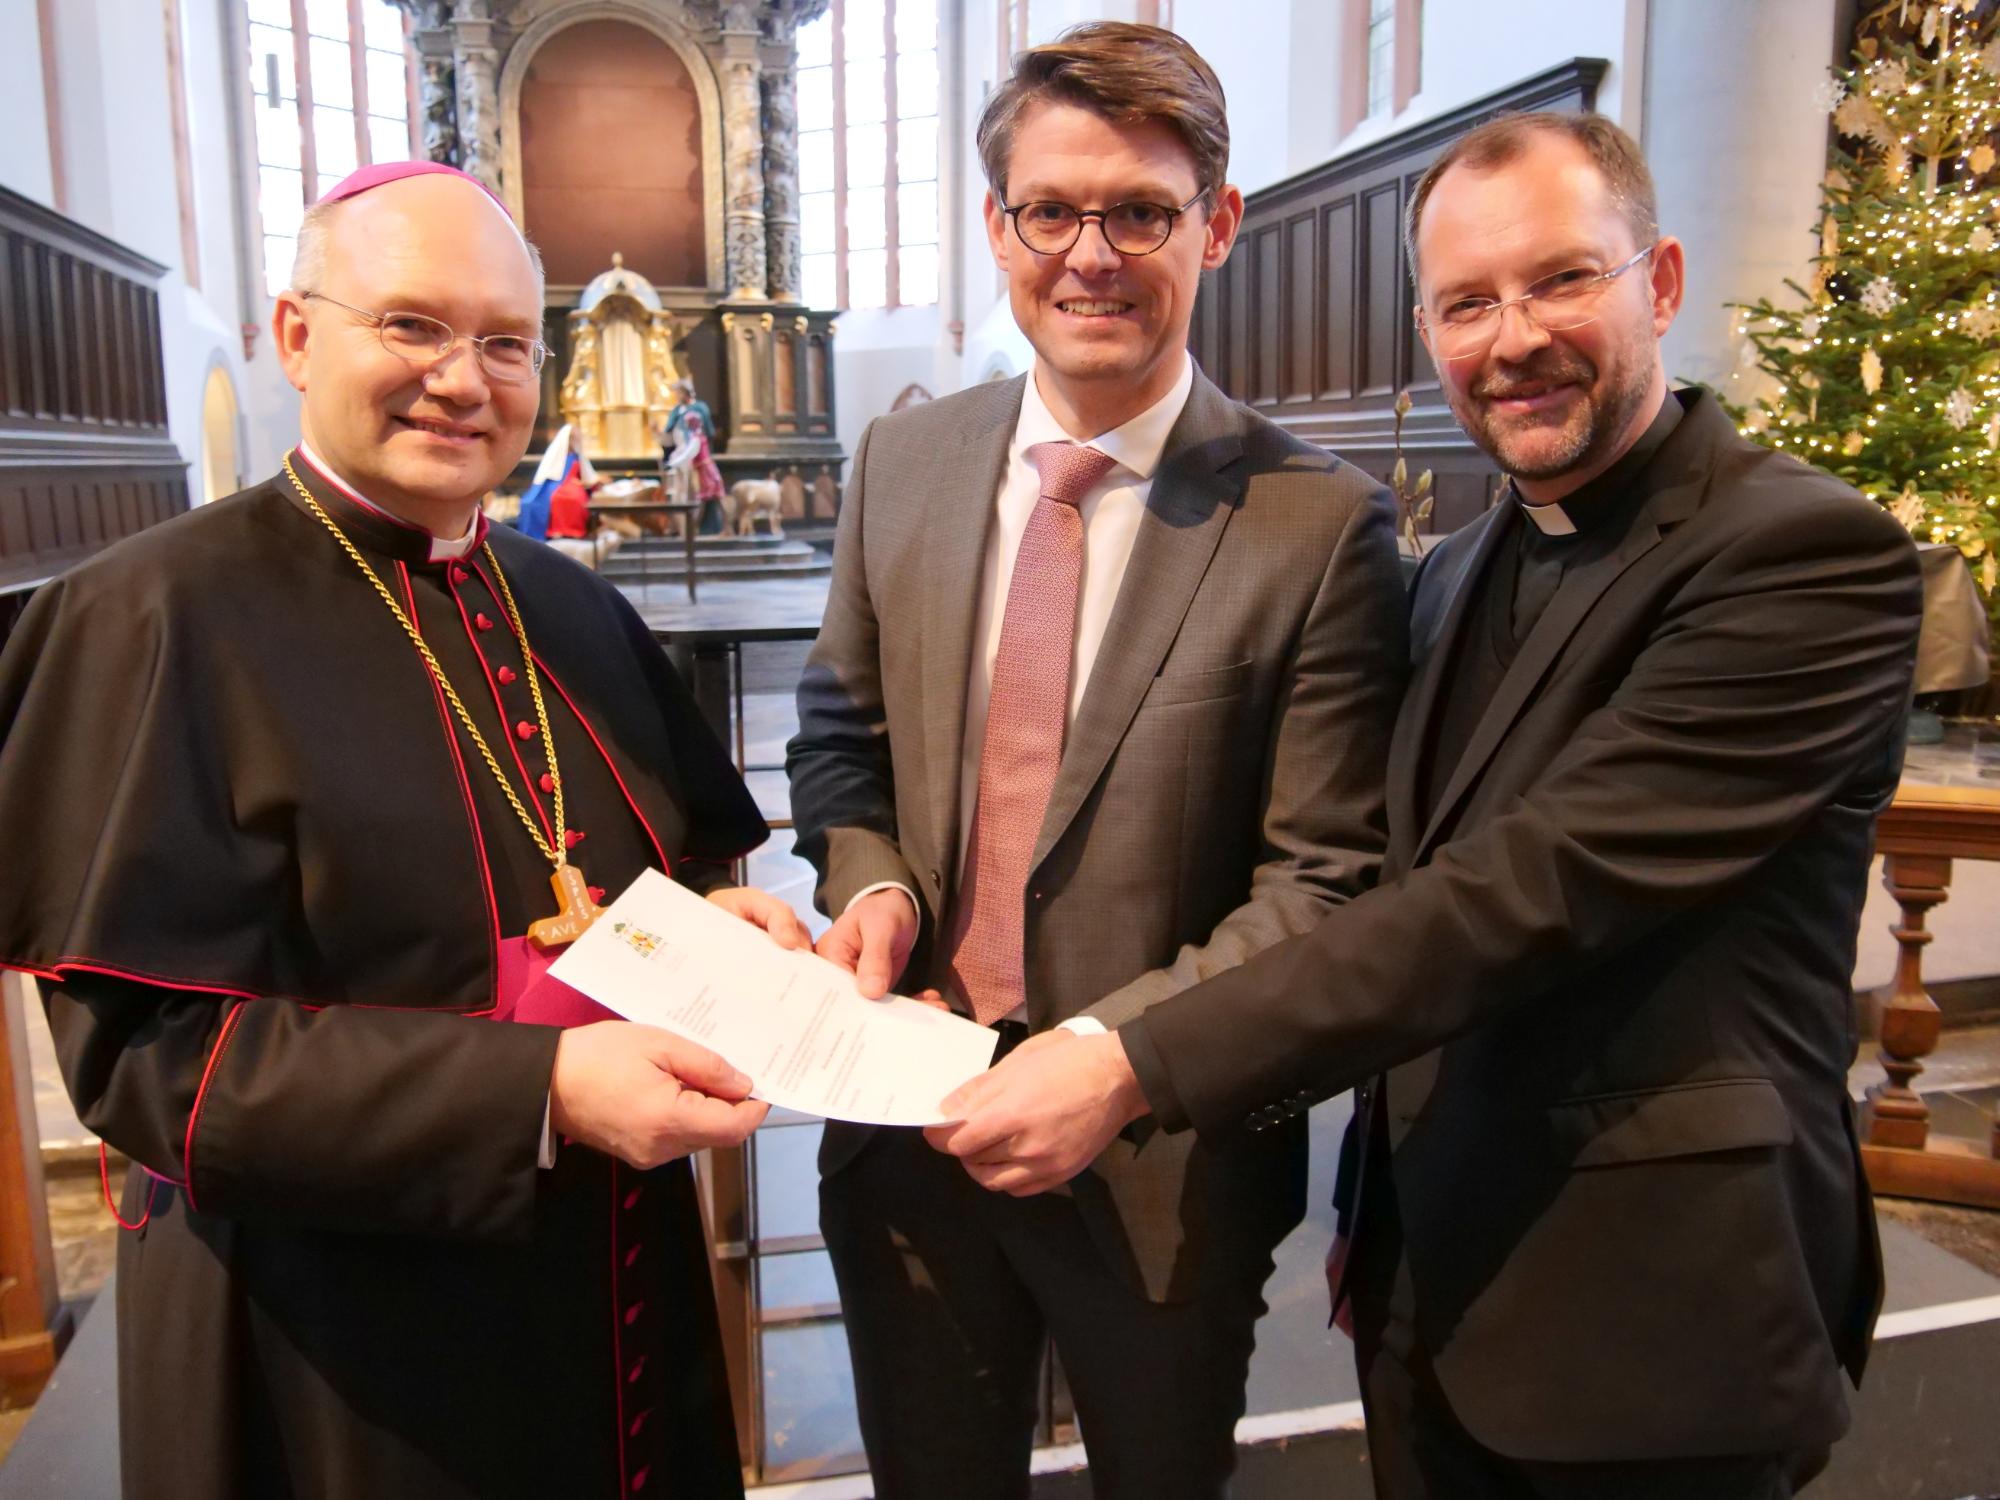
(309, 254)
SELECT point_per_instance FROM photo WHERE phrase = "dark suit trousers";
(1417, 1449)
(949, 1292)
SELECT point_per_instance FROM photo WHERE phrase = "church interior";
(761, 226)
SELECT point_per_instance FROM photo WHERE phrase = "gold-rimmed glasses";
(510, 358)
(1466, 326)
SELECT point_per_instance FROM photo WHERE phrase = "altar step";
(664, 559)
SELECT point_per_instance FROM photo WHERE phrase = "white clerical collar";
(1550, 519)
(442, 550)
(1135, 446)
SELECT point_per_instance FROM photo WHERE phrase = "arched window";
(334, 87)
(868, 154)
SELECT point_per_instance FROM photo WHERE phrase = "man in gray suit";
(1097, 712)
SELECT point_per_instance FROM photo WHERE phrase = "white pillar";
(1737, 141)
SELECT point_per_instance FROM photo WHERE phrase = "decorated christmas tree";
(1887, 363)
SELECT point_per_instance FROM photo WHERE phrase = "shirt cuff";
(1083, 1026)
(547, 1157)
(885, 885)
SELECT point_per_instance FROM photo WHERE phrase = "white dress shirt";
(1112, 510)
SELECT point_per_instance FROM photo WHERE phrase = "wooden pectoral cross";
(575, 911)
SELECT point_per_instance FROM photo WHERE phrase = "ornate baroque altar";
(663, 133)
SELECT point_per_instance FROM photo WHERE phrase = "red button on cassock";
(482, 622)
(525, 731)
(638, 1422)
(597, 899)
(638, 1368)
(458, 574)
(547, 782)
(631, 1255)
(632, 1313)
(573, 837)
(639, 1480)
(631, 1198)
(505, 674)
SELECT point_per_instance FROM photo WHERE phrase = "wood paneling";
(1309, 321)
(84, 453)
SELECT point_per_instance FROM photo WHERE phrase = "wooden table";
(1943, 811)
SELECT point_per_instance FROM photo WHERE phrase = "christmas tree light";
(1887, 364)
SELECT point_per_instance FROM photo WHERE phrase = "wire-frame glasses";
(510, 358)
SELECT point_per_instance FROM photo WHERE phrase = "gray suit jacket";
(1221, 787)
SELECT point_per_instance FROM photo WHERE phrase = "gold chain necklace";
(575, 908)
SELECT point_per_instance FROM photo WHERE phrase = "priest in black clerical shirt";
(302, 792)
(1610, 1232)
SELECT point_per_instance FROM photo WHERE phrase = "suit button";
(937, 881)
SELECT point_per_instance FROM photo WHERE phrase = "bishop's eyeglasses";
(510, 358)
(1050, 228)
(1466, 326)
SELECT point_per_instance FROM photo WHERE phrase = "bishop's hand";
(645, 1095)
(762, 909)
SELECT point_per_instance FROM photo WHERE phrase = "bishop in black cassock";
(277, 904)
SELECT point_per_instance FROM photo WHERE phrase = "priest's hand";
(872, 939)
(645, 1095)
(1043, 1114)
(762, 909)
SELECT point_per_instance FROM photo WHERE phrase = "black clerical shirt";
(1526, 571)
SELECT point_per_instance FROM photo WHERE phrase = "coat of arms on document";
(635, 937)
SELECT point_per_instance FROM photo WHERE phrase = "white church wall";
(24, 126)
(879, 353)
(1738, 168)
(1473, 47)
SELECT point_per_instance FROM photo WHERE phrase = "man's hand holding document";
(663, 956)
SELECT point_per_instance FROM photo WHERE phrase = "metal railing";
(711, 661)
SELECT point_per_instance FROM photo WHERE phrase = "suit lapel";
(958, 517)
(1582, 587)
(1186, 511)
(1438, 609)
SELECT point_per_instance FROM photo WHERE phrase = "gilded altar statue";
(619, 387)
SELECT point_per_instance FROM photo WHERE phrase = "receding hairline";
(1499, 142)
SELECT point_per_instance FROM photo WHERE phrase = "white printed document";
(794, 1022)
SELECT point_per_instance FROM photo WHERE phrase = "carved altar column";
(478, 70)
(437, 77)
(781, 174)
(743, 153)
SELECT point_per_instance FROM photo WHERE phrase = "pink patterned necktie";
(1025, 721)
